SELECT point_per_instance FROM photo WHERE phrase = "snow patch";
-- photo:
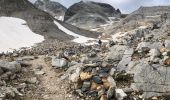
(78, 38)
(14, 34)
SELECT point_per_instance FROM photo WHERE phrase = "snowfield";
(78, 38)
(14, 34)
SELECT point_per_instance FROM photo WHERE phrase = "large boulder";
(10, 66)
(153, 80)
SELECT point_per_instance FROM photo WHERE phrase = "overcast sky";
(126, 6)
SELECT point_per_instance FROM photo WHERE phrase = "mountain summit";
(88, 14)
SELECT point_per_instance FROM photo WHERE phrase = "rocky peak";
(89, 15)
(51, 7)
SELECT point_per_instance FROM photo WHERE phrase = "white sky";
(126, 6)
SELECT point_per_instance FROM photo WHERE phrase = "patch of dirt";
(50, 86)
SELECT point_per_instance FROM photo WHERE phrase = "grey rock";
(39, 72)
(59, 63)
(32, 80)
(110, 92)
(1, 71)
(6, 76)
(120, 94)
(155, 45)
(86, 85)
(124, 63)
(10, 66)
(84, 60)
(116, 52)
(112, 71)
(152, 80)
(103, 74)
(101, 92)
(128, 90)
(97, 79)
(167, 43)
(111, 82)
(154, 53)
(129, 51)
(74, 77)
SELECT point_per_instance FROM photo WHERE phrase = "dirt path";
(51, 87)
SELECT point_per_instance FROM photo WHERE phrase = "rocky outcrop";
(54, 8)
(87, 14)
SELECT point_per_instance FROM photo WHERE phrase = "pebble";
(97, 79)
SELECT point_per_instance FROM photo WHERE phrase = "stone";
(10, 66)
(167, 43)
(101, 91)
(32, 80)
(1, 71)
(85, 75)
(39, 72)
(103, 74)
(129, 51)
(39, 67)
(116, 52)
(153, 81)
(6, 76)
(94, 86)
(92, 54)
(97, 79)
(59, 63)
(86, 85)
(74, 77)
(120, 94)
(84, 59)
(167, 62)
(128, 90)
(111, 82)
(124, 62)
(112, 71)
(165, 54)
(154, 53)
(103, 97)
(155, 45)
(110, 92)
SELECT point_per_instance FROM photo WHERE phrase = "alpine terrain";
(89, 51)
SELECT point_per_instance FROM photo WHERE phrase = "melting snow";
(78, 38)
(14, 34)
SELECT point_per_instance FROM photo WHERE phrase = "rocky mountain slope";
(54, 8)
(38, 21)
(156, 15)
(88, 15)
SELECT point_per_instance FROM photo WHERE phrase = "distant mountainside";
(90, 14)
(38, 21)
(157, 15)
(51, 7)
